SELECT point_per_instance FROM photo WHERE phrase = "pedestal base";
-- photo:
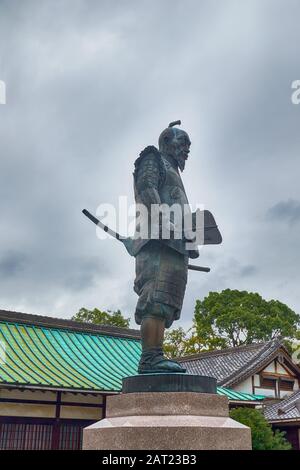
(169, 383)
(167, 421)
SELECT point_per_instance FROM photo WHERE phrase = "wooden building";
(264, 368)
(55, 376)
(261, 368)
(285, 416)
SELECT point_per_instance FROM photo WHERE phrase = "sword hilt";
(192, 267)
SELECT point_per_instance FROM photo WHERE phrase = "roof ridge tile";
(221, 352)
(64, 323)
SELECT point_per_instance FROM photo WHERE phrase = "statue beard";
(178, 156)
(181, 163)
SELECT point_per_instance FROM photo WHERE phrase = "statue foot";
(153, 361)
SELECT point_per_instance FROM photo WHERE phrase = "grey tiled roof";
(230, 366)
(287, 409)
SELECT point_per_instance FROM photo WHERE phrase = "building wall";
(38, 404)
(45, 419)
(274, 372)
(41, 434)
(245, 386)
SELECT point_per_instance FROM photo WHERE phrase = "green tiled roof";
(53, 357)
(63, 358)
(241, 396)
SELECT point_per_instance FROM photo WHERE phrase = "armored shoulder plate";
(149, 168)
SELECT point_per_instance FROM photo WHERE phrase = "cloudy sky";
(89, 84)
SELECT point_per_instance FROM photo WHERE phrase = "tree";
(263, 437)
(295, 348)
(175, 343)
(99, 317)
(233, 318)
(178, 343)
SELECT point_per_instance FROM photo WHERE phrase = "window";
(29, 434)
(287, 385)
(15, 436)
(266, 382)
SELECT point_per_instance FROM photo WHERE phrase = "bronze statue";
(161, 269)
(162, 262)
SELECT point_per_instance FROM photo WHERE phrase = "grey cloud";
(89, 84)
(11, 264)
(248, 271)
(285, 211)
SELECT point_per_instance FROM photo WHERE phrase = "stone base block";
(169, 383)
(167, 421)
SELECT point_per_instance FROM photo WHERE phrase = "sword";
(128, 242)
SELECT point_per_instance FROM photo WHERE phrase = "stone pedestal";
(178, 382)
(167, 421)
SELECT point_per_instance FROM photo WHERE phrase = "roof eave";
(42, 388)
(71, 325)
(238, 378)
(283, 421)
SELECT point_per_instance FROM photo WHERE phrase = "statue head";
(176, 143)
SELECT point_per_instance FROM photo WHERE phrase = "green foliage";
(175, 342)
(99, 317)
(178, 343)
(263, 437)
(233, 317)
(295, 348)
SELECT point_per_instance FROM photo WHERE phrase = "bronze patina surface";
(162, 261)
(161, 265)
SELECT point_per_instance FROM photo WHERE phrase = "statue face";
(176, 143)
(179, 147)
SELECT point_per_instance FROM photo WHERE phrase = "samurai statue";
(161, 264)
(162, 261)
